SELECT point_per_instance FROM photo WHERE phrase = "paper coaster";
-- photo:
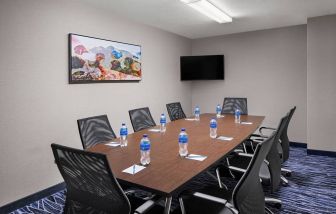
(134, 169)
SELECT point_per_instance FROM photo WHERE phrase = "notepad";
(224, 138)
(190, 119)
(196, 157)
(154, 130)
(134, 169)
(113, 144)
(246, 123)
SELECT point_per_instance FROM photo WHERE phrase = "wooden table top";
(167, 171)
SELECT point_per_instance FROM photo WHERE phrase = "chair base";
(286, 172)
(273, 202)
(284, 181)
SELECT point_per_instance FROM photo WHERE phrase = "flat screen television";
(210, 67)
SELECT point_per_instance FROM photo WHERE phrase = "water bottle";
(197, 113)
(145, 150)
(218, 111)
(237, 116)
(163, 123)
(123, 135)
(213, 128)
(183, 143)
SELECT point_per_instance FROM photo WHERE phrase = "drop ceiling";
(248, 15)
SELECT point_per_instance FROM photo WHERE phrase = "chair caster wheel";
(288, 174)
(278, 206)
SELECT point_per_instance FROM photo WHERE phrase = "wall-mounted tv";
(210, 67)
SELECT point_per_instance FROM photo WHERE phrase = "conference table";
(167, 172)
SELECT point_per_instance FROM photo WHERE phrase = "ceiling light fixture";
(208, 9)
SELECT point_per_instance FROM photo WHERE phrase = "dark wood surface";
(167, 171)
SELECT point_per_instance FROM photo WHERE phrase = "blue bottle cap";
(183, 129)
(123, 124)
(145, 135)
(162, 114)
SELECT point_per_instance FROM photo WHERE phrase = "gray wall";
(321, 85)
(39, 107)
(268, 67)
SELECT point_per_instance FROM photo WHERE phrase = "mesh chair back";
(91, 186)
(141, 119)
(284, 137)
(230, 105)
(248, 195)
(95, 130)
(273, 156)
(175, 111)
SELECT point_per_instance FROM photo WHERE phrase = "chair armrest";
(145, 207)
(267, 128)
(237, 169)
(245, 155)
(258, 135)
(216, 199)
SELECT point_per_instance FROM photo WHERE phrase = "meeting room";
(167, 106)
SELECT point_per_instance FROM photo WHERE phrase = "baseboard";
(32, 198)
(321, 152)
(298, 144)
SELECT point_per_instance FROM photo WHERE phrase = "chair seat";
(196, 205)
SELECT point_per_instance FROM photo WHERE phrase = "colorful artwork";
(99, 60)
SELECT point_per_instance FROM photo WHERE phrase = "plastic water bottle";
(197, 113)
(218, 111)
(123, 135)
(213, 128)
(145, 150)
(183, 143)
(237, 116)
(163, 123)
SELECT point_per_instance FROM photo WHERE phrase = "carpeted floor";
(312, 188)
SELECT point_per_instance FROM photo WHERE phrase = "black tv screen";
(209, 67)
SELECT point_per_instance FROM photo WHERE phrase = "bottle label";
(183, 139)
(163, 120)
(123, 132)
(213, 125)
(237, 113)
(145, 146)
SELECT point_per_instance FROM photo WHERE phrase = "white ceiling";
(248, 15)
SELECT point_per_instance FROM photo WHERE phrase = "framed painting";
(94, 60)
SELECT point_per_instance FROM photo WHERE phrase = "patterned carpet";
(312, 188)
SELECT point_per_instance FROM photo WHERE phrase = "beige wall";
(321, 84)
(268, 67)
(39, 107)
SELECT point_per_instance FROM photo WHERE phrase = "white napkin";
(246, 123)
(224, 138)
(113, 144)
(190, 119)
(154, 130)
(220, 116)
(196, 157)
(134, 169)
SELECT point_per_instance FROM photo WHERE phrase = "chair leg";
(284, 181)
(287, 172)
(268, 211)
(218, 179)
(182, 206)
(167, 205)
(273, 202)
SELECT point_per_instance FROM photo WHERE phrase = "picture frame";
(95, 60)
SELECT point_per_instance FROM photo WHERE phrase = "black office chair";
(246, 198)
(90, 183)
(270, 171)
(175, 111)
(141, 118)
(95, 130)
(230, 105)
(284, 141)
